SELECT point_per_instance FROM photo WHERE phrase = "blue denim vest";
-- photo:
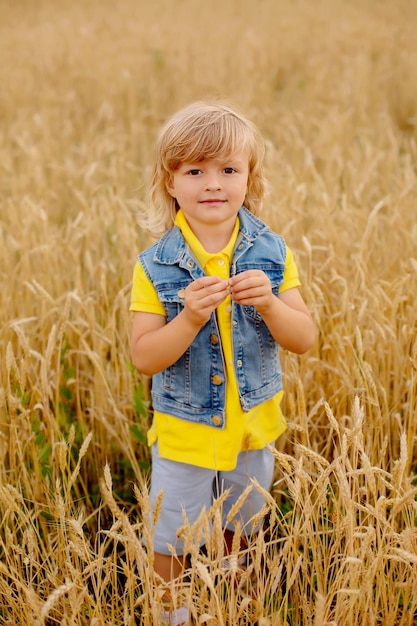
(194, 387)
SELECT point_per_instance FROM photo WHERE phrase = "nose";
(213, 182)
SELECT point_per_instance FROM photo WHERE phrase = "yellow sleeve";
(290, 274)
(143, 296)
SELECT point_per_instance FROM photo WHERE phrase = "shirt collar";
(201, 254)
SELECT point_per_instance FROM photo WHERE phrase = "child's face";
(211, 192)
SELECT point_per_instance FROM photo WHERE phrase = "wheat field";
(84, 88)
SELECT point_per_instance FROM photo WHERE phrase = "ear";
(169, 184)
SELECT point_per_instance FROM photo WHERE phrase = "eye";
(194, 172)
(229, 170)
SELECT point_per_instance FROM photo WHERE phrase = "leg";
(185, 488)
(257, 464)
(170, 568)
(167, 566)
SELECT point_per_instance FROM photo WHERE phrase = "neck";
(214, 241)
(213, 237)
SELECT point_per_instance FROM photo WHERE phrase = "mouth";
(212, 201)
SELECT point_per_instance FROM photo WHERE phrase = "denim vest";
(194, 387)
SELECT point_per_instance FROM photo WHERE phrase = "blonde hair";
(197, 132)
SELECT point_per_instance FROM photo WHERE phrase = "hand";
(202, 297)
(252, 288)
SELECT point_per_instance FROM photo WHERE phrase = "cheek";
(245, 190)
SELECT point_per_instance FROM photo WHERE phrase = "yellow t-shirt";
(200, 444)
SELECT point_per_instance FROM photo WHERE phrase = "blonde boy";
(213, 300)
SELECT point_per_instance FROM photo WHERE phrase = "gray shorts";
(190, 489)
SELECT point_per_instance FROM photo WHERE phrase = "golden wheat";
(85, 87)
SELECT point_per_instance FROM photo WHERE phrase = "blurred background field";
(84, 88)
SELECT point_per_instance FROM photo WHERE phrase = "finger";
(206, 281)
(251, 280)
(215, 294)
(208, 287)
(247, 287)
(248, 277)
(201, 284)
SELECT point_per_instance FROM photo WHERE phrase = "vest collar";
(172, 248)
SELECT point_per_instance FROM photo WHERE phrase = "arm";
(286, 316)
(156, 345)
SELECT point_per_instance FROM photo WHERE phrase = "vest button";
(217, 379)
(214, 340)
(217, 420)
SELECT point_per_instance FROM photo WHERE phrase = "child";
(213, 300)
